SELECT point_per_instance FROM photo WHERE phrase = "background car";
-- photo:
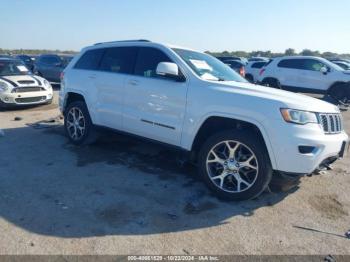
(252, 70)
(258, 59)
(18, 86)
(339, 60)
(27, 60)
(230, 58)
(49, 66)
(5, 56)
(309, 74)
(236, 65)
(344, 65)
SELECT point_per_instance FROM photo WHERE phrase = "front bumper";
(26, 98)
(288, 138)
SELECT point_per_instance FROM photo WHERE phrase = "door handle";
(133, 82)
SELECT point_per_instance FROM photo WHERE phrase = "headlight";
(47, 84)
(298, 116)
(3, 87)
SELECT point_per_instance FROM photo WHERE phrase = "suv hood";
(283, 98)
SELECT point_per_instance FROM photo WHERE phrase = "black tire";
(272, 82)
(340, 91)
(250, 78)
(254, 143)
(89, 134)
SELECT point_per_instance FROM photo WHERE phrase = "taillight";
(262, 71)
(242, 71)
(62, 76)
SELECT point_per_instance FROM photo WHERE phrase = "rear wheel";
(250, 78)
(78, 125)
(272, 82)
(235, 165)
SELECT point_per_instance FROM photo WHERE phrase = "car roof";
(141, 42)
(8, 59)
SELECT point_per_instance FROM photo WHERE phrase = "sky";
(203, 25)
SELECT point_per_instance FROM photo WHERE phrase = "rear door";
(82, 77)
(116, 65)
(154, 106)
(288, 71)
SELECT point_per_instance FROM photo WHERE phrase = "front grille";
(331, 123)
(26, 82)
(30, 99)
(27, 89)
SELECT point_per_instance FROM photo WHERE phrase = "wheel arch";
(337, 83)
(214, 123)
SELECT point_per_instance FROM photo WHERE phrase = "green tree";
(290, 52)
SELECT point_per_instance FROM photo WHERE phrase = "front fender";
(190, 131)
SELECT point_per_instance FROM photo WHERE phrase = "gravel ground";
(124, 196)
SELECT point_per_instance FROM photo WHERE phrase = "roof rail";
(121, 41)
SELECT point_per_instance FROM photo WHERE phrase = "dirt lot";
(122, 196)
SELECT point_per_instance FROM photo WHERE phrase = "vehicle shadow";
(117, 186)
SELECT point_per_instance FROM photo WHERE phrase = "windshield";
(208, 67)
(25, 58)
(12, 67)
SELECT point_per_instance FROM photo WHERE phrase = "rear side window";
(90, 60)
(119, 60)
(148, 60)
(258, 64)
(291, 63)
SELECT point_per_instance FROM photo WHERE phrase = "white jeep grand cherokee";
(238, 133)
(18, 86)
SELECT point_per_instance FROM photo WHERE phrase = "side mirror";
(168, 69)
(324, 70)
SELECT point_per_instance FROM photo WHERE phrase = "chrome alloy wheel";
(232, 166)
(75, 123)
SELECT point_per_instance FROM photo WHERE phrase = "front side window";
(119, 60)
(10, 67)
(147, 61)
(313, 65)
(90, 60)
(208, 67)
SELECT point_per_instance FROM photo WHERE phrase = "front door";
(154, 106)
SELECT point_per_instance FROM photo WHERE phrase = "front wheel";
(235, 165)
(340, 91)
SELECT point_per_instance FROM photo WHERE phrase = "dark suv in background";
(50, 66)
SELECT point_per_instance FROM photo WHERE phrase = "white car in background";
(239, 135)
(307, 74)
(18, 86)
(253, 69)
